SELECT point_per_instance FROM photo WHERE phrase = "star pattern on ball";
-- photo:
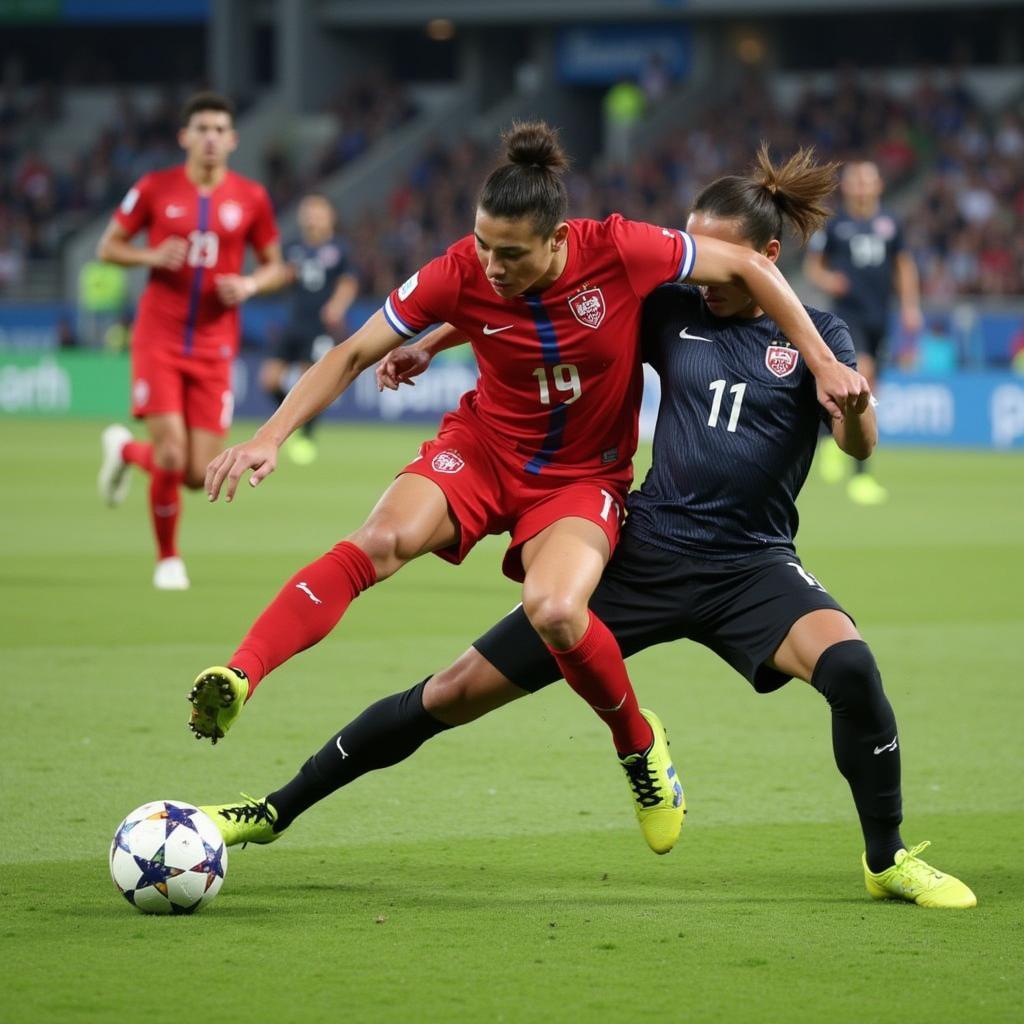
(154, 872)
(174, 816)
(212, 865)
(121, 839)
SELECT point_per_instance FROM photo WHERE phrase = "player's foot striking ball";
(657, 792)
(251, 821)
(217, 698)
(915, 881)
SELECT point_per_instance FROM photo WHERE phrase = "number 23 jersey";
(179, 309)
(737, 428)
(560, 373)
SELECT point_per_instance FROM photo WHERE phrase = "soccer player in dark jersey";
(541, 448)
(858, 259)
(200, 218)
(707, 552)
(324, 290)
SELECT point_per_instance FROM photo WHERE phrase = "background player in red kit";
(200, 217)
(541, 448)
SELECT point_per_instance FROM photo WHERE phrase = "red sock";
(138, 453)
(308, 607)
(595, 670)
(165, 507)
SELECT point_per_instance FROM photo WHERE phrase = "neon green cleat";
(833, 462)
(864, 489)
(657, 792)
(301, 450)
(911, 879)
(217, 698)
(249, 822)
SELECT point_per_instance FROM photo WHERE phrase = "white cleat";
(170, 574)
(114, 477)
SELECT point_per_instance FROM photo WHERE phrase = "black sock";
(860, 466)
(865, 744)
(278, 395)
(384, 734)
(307, 427)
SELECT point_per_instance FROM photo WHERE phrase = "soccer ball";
(168, 857)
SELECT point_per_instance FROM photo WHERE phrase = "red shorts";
(197, 387)
(489, 492)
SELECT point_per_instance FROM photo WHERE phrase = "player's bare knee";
(169, 454)
(447, 693)
(195, 479)
(557, 618)
(380, 540)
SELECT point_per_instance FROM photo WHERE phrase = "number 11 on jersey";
(737, 391)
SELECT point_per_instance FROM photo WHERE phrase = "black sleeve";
(656, 308)
(516, 650)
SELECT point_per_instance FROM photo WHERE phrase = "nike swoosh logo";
(685, 333)
(497, 330)
(888, 746)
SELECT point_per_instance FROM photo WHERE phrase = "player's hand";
(912, 320)
(169, 254)
(837, 284)
(234, 289)
(400, 366)
(332, 317)
(228, 467)
(842, 390)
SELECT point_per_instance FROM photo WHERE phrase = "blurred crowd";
(964, 221)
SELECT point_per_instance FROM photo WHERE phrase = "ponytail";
(768, 196)
(529, 181)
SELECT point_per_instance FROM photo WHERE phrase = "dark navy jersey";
(317, 269)
(865, 251)
(736, 429)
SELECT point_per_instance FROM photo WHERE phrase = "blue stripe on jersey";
(395, 322)
(549, 351)
(688, 258)
(197, 280)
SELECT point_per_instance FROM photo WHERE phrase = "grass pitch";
(498, 875)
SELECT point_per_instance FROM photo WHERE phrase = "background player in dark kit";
(707, 552)
(858, 259)
(323, 291)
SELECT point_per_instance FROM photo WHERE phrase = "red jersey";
(179, 309)
(560, 370)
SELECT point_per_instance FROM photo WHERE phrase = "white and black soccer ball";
(168, 857)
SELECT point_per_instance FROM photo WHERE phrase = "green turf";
(498, 875)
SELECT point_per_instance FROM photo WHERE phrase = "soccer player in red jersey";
(541, 448)
(200, 217)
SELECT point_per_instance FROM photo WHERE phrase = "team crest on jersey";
(781, 359)
(230, 214)
(884, 226)
(447, 462)
(588, 307)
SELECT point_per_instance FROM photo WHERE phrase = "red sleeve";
(264, 228)
(428, 297)
(652, 255)
(134, 212)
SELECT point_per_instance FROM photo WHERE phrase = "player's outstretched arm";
(839, 387)
(402, 364)
(320, 385)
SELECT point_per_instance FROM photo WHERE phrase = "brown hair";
(201, 101)
(768, 195)
(529, 181)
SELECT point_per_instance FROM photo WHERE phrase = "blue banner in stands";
(603, 54)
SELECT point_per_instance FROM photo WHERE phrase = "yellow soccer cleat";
(217, 698)
(911, 879)
(864, 489)
(832, 462)
(657, 792)
(248, 822)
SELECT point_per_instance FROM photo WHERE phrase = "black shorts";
(299, 346)
(740, 609)
(868, 338)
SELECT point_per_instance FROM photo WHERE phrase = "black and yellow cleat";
(251, 821)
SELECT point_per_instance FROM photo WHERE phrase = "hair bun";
(534, 144)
